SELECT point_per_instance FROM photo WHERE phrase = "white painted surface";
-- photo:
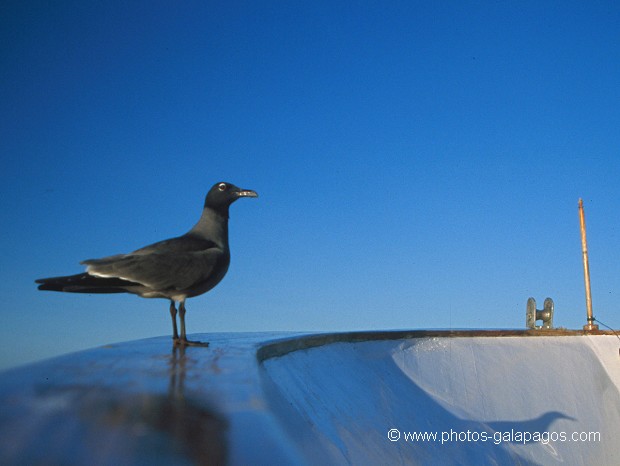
(297, 399)
(338, 401)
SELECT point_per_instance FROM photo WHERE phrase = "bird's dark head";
(222, 194)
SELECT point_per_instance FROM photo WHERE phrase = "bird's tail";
(84, 283)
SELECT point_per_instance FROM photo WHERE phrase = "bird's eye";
(222, 186)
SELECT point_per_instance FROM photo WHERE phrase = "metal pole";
(586, 269)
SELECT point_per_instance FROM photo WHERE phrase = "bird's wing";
(161, 268)
(185, 243)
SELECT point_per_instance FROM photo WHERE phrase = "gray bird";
(175, 269)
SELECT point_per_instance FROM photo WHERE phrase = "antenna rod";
(586, 269)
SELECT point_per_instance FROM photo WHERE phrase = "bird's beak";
(246, 193)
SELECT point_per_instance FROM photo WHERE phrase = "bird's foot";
(186, 342)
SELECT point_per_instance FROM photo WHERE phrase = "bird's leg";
(183, 339)
(173, 314)
(182, 319)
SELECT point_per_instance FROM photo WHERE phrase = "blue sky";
(418, 163)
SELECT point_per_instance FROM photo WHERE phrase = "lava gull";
(175, 269)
